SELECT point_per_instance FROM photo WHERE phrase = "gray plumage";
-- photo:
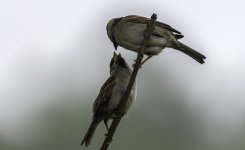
(128, 32)
(110, 95)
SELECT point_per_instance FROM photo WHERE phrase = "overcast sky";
(44, 42)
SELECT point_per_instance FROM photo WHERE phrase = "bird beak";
(114, 56)
(115, 45)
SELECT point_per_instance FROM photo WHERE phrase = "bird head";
(118, 62)
(110, 31)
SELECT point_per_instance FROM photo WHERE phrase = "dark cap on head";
(117, 61)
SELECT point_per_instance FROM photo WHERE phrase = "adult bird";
(128, 32)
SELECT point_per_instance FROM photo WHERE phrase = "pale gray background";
(54, 57)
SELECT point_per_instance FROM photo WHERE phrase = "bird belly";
(155, 45)
(116, 98)
(150, 51)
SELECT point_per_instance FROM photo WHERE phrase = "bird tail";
(88, 136)
(191, 52)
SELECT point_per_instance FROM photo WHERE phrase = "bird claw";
(134, 65)
(107, 136)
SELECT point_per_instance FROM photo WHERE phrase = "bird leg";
(106, 125)
(148, 57)
(146, 60)
(107, 128)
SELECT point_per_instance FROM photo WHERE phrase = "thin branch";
(113, 127)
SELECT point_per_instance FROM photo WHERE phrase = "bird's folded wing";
(143, 20)
(104, 96)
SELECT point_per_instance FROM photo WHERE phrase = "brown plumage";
(128, 32)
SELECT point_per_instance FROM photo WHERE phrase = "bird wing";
(104, 96)
(144, 20)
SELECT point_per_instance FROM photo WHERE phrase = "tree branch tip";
(154, 16)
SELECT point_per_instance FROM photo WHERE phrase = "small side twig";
(113, 127)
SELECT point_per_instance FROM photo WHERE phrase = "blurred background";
(55, 54)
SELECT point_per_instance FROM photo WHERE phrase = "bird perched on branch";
(128, 32)
(107, 102)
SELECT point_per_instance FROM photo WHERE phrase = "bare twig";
(113, 127)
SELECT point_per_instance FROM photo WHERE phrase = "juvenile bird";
(107, 102)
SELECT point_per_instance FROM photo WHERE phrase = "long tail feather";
(87, 138)
(191, 52)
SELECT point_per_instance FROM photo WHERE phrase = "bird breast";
(129, 35)
(119, 91)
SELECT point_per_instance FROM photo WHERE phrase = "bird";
(128, 32)
(108, 100)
